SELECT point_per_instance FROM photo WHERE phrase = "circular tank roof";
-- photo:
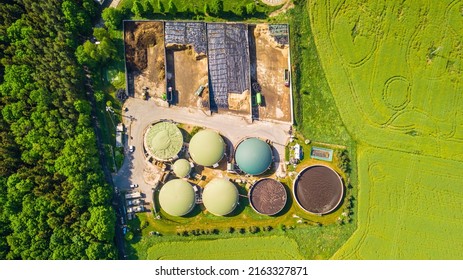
(181, 168)
(268, 196)
(253, 156)
(177, 197)
(207, 147)
(220, 197)
(163, 140)
(318, 189)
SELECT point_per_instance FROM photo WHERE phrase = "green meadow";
(270, 247)
(409, 207)
(395, 72)
(395, 69)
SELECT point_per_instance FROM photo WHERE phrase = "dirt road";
(274, 2)
(114, 3)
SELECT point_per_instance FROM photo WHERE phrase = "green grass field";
(307, 242)
(410, 210)
(316, 114)
(269, 247)
(395, 70)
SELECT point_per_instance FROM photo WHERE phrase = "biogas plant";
(207, 173)
(211, 131)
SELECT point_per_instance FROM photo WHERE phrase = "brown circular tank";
(318, 189)
(268, 196)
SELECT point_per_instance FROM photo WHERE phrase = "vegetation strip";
(55, 203)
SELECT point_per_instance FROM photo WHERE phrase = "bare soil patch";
(271, 60)
(239, 103)
(189, 71)
(274, 2)
(144, 51)
(288, 5)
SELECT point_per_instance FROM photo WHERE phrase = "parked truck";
(287, 77)
(134, 202)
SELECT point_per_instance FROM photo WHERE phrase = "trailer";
(133, 195)
(199, 90)
(258, 98)
(170, 95)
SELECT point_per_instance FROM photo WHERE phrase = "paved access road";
(144, 113)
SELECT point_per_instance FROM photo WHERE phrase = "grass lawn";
(394, 69)
(267, 247)
(302, 242)
(409, 207)
(316, 114)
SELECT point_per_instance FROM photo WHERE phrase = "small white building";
(297, 152)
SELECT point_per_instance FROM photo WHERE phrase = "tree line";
(54, 202)
(156, 8)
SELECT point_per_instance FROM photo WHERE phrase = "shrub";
(161, 7)
(254, 229)
(343, 160)
(207, 10)
(195, 130)
(129, 236)
(113, 17)
(138, 9)
(251, 8)
(171, 8)
(216, 7)
(144, 224)
(239, 10)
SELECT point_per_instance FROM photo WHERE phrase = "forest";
(54, 201)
